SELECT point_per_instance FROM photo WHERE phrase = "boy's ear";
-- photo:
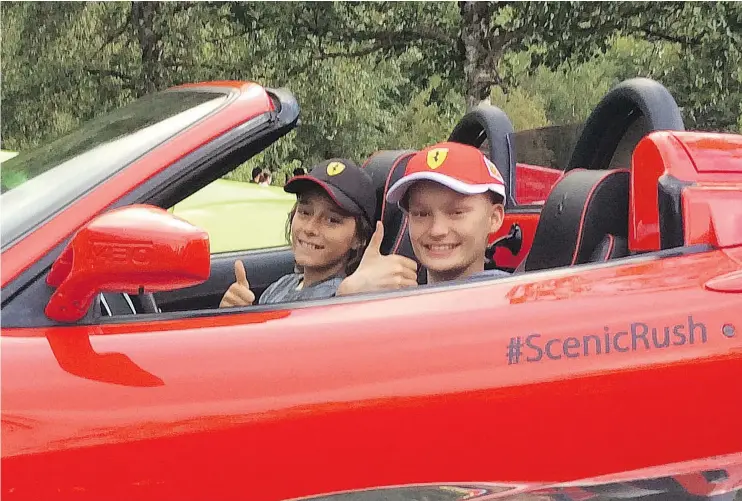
(497, 217)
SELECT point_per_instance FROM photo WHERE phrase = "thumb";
(374, 244)
(240, 274)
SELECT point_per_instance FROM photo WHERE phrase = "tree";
(368, 75)
(471, 45)
(694, 50)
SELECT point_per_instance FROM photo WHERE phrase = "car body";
(581, 376)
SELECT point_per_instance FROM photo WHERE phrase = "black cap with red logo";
(347, 184)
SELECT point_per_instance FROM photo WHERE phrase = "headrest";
(628, 112)
(385, 167)
(584, 207)
(489, 128)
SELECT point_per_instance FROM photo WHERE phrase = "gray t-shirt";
(489, 274)
(482, 275)
(284, 290)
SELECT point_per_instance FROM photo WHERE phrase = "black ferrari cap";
(349, 186)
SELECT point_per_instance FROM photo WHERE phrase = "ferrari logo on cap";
(335, 168)
(436, 157)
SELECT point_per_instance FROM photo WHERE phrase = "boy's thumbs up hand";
(239, 293)
(379, 272)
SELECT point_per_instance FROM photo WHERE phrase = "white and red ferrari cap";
(460, 167)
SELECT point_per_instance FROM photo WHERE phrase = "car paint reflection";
(75, 354)
(447, 492)
(679, 487)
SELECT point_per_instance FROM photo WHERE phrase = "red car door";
(553, 376)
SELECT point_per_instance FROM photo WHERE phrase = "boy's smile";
(321, 235)
(449, 231)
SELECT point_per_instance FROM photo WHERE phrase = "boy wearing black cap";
(328, 229)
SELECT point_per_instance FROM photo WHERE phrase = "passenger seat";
(584, 220)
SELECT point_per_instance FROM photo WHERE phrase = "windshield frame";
(24, 226)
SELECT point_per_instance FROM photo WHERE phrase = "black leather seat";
(385, 168)
(584, 220)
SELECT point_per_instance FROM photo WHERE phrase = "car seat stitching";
(386, 184)
(398, 242)
(611, 242)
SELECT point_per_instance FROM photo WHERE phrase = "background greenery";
(368, 75)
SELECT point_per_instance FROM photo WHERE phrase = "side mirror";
(134, 249)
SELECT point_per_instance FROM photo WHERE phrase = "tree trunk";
(482, 50)
(143, 15)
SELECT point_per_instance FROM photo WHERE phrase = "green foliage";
(368, 75)
(425, 121)
(708, 77)
(572, 89)
(526, 111)
(693, 48)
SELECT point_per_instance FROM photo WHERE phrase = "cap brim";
(299, 184)
(397, 192)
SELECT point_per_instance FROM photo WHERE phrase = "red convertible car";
(609, 365)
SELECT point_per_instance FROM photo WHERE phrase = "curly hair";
(363, 233)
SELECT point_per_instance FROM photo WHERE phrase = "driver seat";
(584, 220)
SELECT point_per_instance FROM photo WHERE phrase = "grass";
(239, 215)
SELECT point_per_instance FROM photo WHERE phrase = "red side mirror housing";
(134, 249)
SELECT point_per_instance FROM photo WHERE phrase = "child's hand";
(379, 272)
(239, 293)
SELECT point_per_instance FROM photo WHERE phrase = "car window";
(239, 215)
(37, 183)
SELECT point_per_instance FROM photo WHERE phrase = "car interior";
(584, 220)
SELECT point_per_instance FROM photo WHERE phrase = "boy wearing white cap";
(454, 199)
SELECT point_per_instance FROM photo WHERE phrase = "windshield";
(38, 183)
